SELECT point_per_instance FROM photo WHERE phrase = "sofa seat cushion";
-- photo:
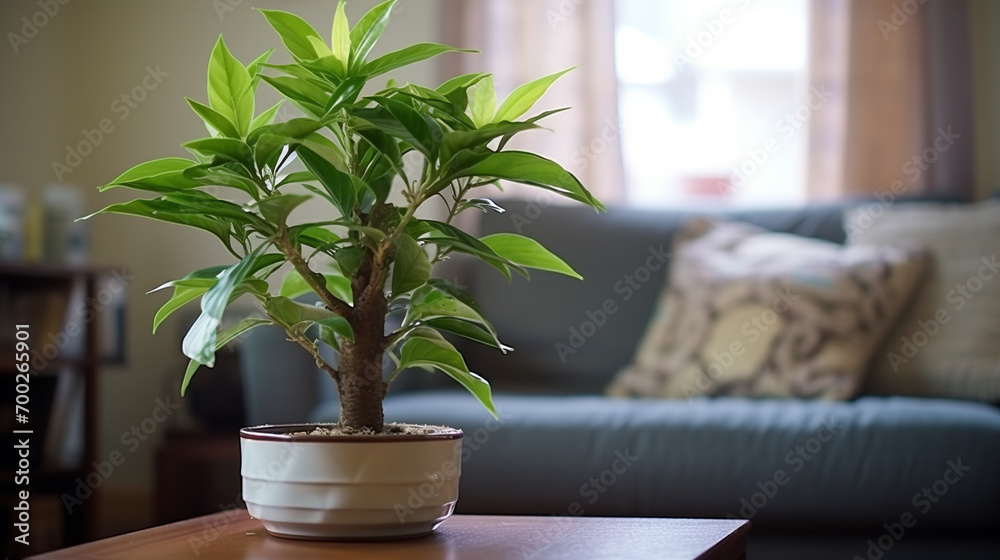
(778, 462)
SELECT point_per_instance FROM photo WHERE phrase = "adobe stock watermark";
(913, 168)
(585, 155)
(88, 311)
(131, 439)
(32, 25)
(564, 10)
(899, 16)
(418, 495)
(581, 159)
(210, 531)
(122, 106)
(590, 492)
(532, 211)
(923, 501)
(958, 297)
(753, 329)
(697, 44)
(786, 126)
(626, 288)
(796, 460)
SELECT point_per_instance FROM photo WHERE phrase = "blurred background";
(676, 103)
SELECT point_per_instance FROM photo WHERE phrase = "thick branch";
(302, 267)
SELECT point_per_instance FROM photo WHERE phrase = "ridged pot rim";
(279, 433)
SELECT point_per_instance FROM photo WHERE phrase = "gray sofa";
(893, 477)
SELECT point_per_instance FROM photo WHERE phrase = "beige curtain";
(900, 116)
(521, 40)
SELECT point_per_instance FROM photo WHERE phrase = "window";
(713, 100)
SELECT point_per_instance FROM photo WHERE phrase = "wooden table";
(234, 535)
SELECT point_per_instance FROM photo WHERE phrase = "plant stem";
(304, 342)
(302, 267)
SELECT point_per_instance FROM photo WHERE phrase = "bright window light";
(711, 100)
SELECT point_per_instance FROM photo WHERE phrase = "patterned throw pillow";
(947, 344)
(755, 313)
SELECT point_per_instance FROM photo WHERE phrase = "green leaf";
(440, 354)
(199, 343)
(313, 234)
(308, 96)
(322, 51)
(349, 259)
(469, 331)
(458, 140)
(528, 253)
(165, 183)
(524, 97)
(326, 149)
(412, 267)
(387, 149)
(269, 140)
(325, 68)
(297, 177)
(532, 120)
(368, 30)
(235, 176)
(227, 149)
(460, 82)
(338, 325)
(294, 286)
(419, 131)
(347, 92)
(337, 183)
(483, 102)
(406, 56)
(372, 232)
(181, 297)
(186, 289)
(267, 117)
(450, 236)
(255, 67)
(531, 169)
(294, 32)
(428, 304)
(340, 38)
(216, 122)
(199, 281)
(152, 169)
(167, 212)
(207, 275)
(225, 338)
(229, 89)
(484, 204)
(442, 285)
(299, 316)
(276, 209)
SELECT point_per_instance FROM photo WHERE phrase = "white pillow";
(948, 342)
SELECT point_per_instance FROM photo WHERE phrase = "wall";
(985, 20)
(71, 75)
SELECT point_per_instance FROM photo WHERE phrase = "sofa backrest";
(571, 336)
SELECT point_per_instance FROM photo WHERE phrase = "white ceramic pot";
(349, 487)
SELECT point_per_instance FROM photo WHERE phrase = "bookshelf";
(74, 316)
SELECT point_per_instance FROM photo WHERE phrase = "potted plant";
(373, 160)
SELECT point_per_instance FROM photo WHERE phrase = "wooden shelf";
(54, 288)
